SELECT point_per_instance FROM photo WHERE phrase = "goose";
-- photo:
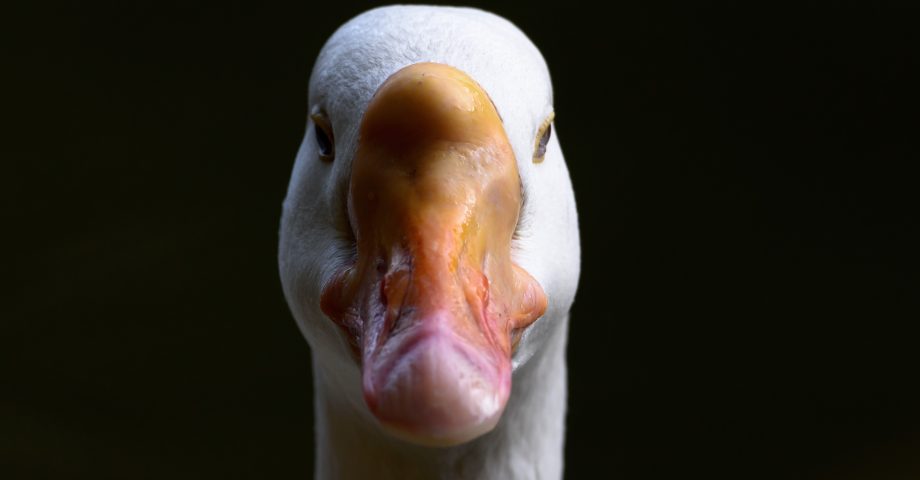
(429, 250)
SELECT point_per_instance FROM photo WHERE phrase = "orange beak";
(434, 303)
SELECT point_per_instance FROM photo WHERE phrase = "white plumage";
(357, 59)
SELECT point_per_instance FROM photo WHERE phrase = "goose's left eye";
(543, 136)
(325, 141)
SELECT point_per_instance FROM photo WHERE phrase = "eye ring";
(542, 140)
(322, 132)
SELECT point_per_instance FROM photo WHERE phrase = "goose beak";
(434, 303)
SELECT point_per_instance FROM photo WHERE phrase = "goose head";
(429, 239)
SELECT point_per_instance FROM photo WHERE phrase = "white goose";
(429, 250)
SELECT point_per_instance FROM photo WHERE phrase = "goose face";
(414, 252)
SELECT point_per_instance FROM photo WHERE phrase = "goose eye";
(325, 141)
(543, 135)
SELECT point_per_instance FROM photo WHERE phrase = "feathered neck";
(527, 443)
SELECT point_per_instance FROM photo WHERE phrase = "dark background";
(749, 295)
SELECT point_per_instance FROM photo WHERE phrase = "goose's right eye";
(325, 141)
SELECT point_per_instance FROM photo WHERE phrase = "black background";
(748, 295)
